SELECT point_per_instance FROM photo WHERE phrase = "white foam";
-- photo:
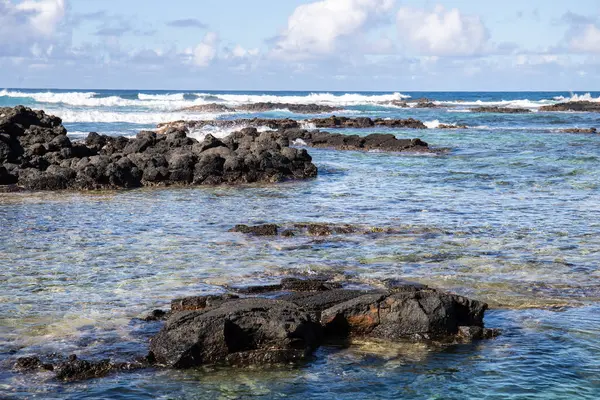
(299, 142)
(131, 117)
(578, 97)
(175, 96)
(51, 97)
(308, 125)
(346, 99)
(524, 103)
(432, 124)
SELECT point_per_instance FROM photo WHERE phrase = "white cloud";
(317, 28)
(587, 40)
(206, 51)
(29, 25)
(442, 32)
(240, 52)
(43, 15)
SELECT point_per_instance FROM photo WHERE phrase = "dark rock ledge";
(286, 322)
(500, 110)
(262, 107)
(581, 106)
(286, 123)
(36, 154)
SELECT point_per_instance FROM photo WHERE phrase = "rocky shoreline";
(285, 323)
(262, 107)
(36, 154)
(579, 106)
(500, 110)
(286, 123)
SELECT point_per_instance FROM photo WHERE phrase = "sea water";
(510, 215)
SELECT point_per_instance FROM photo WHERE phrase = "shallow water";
(510, 215)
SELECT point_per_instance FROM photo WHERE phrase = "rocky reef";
(500, 110)
(372, 142)
(578, 130)
(36, 154)
(581, 106)
(286, 123)
(262, 107)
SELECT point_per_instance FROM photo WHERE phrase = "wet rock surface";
(209, 108)
(74, 369)
(295, 108)
(579, 130)
(36, 154)
(581, 106)
(288, 321)
(365, 122)
(262, 107)
(286, 123)
(372, 142)
(500, 110)
(318, 229)
(241, 329)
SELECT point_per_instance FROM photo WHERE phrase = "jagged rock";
(36, 154)
(241, 330)
(193, 303)
(578, 130)
(287, 327)
(283, 124)
(421, 314)
(75, 369)
(208, 108)
(258, 230)
(156, 315)
(375, 141)
(295, 108)
(501, 110)
(582, 106)
(451, 126)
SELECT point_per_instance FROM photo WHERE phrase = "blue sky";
(301, 45)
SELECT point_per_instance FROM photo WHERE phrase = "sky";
(341, 45)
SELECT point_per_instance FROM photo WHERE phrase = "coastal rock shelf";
(262, 107)
(286, 123)
(35, 153)
(501, 110)
(581, 106)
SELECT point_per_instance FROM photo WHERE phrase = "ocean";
(509, 215)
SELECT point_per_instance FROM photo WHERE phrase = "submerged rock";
(501, 110)
(582, 106)
(36, 154)
(452, 126)
(74, 369)
(258, 230)
(578, 130)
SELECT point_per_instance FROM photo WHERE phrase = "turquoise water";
(510, 215)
